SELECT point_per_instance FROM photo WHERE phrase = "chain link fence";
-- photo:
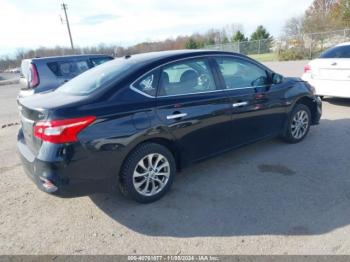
(303, 46)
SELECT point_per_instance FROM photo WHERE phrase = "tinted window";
(96, 78)
(191, 76)
(238, 73)
(100, 60)
(68, 69)
(147, 84)
(337, 52)
(54, 68)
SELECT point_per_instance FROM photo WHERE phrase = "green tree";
(260, 33)
(262, 41)
(239, 37)
(225, 40)
(191, 43)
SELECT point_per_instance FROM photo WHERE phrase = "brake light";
(34, 81)
(61, 131)
(307, 69)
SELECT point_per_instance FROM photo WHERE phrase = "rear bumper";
(25, 92)
(59, 178)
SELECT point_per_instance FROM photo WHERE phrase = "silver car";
(48, 73)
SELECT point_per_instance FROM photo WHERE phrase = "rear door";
(257, 110)
(193, 109)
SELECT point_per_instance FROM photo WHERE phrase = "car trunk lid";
(331, 69)
(41, 107)
(28, 118)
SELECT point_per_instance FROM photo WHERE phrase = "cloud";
(97, 19)
(36, 23)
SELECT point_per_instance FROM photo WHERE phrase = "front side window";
(238, 73)
(186, 77)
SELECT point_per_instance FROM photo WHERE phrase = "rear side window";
(147, 84)
(337, 52)
(68, 69)
(238, 73)
(187, 77)
(54, 68)
(100, 60)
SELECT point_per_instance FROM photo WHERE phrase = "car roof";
(344, 44)
(64, 57)
(168, 56)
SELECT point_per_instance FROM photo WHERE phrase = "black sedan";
(135, 121)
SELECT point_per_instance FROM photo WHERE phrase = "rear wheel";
(147, 173)
(298, 124)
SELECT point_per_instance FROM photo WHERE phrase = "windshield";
(96, 78)
(337, 52)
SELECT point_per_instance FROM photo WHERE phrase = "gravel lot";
(267, 198)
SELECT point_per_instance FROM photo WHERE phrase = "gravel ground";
(267, 198)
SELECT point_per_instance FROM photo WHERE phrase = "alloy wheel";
(300, 124)
(151, 174)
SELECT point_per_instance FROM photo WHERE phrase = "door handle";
(239, 104)
(175, 116)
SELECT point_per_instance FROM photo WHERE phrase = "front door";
(256, 113)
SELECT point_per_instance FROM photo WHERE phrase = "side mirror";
(277, 79)
(261, 81)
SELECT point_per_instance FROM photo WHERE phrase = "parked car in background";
(13, 70)
(135, 121)
(330, 73)
(47, 73)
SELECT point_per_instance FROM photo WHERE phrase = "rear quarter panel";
(122, 123)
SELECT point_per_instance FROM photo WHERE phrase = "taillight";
(61, 131)
(34, 81)
(307, 69)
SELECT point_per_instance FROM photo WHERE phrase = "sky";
(33, 23)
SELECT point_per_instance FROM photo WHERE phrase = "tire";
(291, 134)
(143, 182)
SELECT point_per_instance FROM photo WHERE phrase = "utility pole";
(64, 7)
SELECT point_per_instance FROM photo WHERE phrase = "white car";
(330, 73)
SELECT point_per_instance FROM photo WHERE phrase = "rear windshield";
(337, 52)
(96, 78)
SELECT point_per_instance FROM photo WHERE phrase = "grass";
(265, 57)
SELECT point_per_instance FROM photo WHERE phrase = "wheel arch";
(311, 104)
(166, 142)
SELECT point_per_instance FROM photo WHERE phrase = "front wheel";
(298, 124)
(147, 173)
